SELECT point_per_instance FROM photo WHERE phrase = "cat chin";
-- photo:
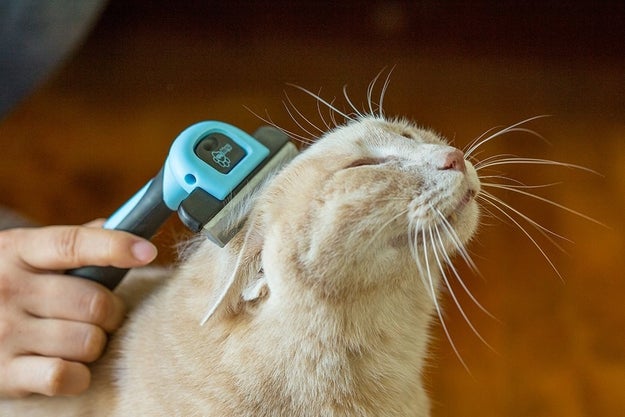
(465, 221)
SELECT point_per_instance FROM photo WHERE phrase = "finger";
(98, 223)
(64, 247)
(69, 340)
(47, 376)
(75, 299)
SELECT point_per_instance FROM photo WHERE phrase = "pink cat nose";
(454, 159)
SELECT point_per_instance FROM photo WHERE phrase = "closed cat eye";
(366, 162)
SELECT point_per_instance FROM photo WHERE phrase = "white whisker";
(370, 92)
(320, 112)
(441, 247)
(432, 287)
(349, 102)
(525, 232)
(493, 158)
(414, 248)
(383, 92)
(300, 138)
(459, 279)
(472, 144)
(516, 183)
(491, 214)
(295, 119)
(297, 122)
(543, 199)
(513, 128)
(547, 233)
(529, 161)
(321, 100)
(299, 113)
(333, 113)
(456, 241)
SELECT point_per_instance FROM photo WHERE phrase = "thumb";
(64, 247)
(95, 223)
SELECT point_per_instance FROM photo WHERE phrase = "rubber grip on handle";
(109, 276)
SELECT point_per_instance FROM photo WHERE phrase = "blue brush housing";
(184, 170)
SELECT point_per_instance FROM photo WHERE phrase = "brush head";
(219, 219)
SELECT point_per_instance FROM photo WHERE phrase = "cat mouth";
(461, 205)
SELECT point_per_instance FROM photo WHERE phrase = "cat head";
(369, 202)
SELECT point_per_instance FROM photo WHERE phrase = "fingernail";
(144, 251)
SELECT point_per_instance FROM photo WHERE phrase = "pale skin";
(52, 325)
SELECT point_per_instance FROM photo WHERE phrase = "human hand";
(51, 324)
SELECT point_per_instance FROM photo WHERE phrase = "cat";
(321, 305)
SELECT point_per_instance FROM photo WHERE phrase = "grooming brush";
(211, 167)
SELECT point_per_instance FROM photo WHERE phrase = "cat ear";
(247, 282)
(257, 290)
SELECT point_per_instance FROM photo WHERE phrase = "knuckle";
(56, 376)
(62, 377)
(6, 237)
(9, 286)
(7, 289)
(8, 385)
(9, 389)
(99, 307)
(93, 343)
(18, 393)
(67, 244)
(6, 331)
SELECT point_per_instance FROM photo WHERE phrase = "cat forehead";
(378, 137)
(379, 131)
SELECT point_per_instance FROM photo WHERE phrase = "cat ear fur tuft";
(247, 283)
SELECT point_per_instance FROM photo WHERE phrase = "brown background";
(101, 126)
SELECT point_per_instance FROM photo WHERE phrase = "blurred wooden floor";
(101, 126)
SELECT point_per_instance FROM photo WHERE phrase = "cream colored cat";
(320, 305)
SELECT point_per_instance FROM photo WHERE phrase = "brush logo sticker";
(221, 156)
